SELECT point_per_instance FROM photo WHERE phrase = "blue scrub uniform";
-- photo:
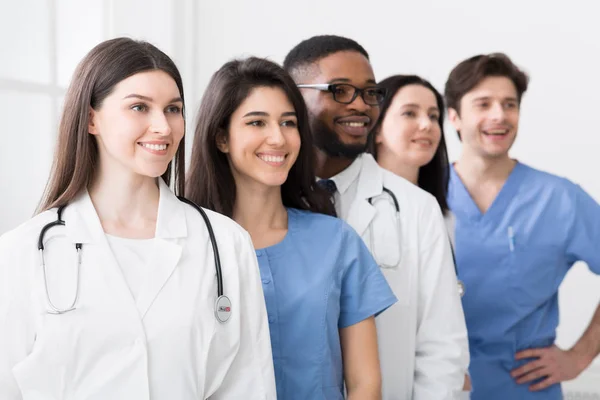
(320, 278)
(512, 260)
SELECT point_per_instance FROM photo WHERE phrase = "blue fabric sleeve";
(364, 291)
(583, 243)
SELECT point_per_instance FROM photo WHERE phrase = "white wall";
(41, 42)
(556, 42)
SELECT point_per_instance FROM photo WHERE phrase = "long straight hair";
(210, 182)
(435, 175)
(76, 153)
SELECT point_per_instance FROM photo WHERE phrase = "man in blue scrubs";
(518, 232)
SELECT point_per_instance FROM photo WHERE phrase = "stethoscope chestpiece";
(222, 308)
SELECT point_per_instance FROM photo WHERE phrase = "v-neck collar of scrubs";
(500, 203)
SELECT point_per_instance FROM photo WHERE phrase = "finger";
(530, 353)
(533, 375)
(546, 383)
(524, 369)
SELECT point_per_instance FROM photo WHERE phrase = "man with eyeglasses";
(422, 339)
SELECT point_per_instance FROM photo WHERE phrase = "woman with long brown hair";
(253, 161)
(123, 302)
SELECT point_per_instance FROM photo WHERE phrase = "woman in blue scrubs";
(518, 232)
(252, 160)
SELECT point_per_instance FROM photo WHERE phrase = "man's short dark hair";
(470, 72)
(314, 49)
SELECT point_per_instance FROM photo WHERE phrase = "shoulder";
(26, 231)
(18, 247)
(224, 228)
(321, 229)
(315, 227)
(544, 178)
(408, 194)
(554, 185)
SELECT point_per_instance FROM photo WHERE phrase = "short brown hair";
(470, 72)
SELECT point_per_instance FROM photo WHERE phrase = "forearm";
(588, 346)
(365, 391)
(362, 373)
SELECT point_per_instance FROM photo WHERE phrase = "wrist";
(582, 358)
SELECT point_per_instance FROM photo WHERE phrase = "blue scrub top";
(320, 278)
(512, 260)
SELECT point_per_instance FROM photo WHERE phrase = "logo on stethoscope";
(223, 308)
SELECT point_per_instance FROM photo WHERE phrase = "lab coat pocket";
(534, 273)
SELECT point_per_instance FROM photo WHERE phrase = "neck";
(259, 210)
(476, 168)
(126, 203)
(327, 166)
(389, 161)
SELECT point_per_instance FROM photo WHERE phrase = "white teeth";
(273, 159)
(355, 124)
(497, 132)
(157, 147)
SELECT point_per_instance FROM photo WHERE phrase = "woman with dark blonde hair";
(122, 303)
(252, 160)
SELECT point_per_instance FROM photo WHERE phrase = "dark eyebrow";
(488, 98)
(418, 106)
(256, 114)
(265, 114)
(346, 80)
(146, 98)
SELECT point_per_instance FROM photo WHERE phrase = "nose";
(160, 124)
(425, 123)
(359, 104)
(275, 136)
(497, 112)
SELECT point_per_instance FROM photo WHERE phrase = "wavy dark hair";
(434, 176)
(210, 182)
(76, 154)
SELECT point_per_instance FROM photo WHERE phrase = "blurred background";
(556, 42)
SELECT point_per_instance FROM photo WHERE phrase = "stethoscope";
(222, 303)
(392, 196)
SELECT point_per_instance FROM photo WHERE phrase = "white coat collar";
(380, 217)
(370, 184)
(347, 177)
(83, 225)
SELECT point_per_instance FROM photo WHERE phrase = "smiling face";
(410, 129)
(139, 126)
(263, 141)
(341, 130)
(489, 117)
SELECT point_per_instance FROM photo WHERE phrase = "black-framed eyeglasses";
(345, 93)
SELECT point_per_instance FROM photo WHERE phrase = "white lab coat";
(168, 345)
(423, 345)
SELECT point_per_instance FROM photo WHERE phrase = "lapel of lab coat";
(83, 226)
(370, 184)
(170, 225)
